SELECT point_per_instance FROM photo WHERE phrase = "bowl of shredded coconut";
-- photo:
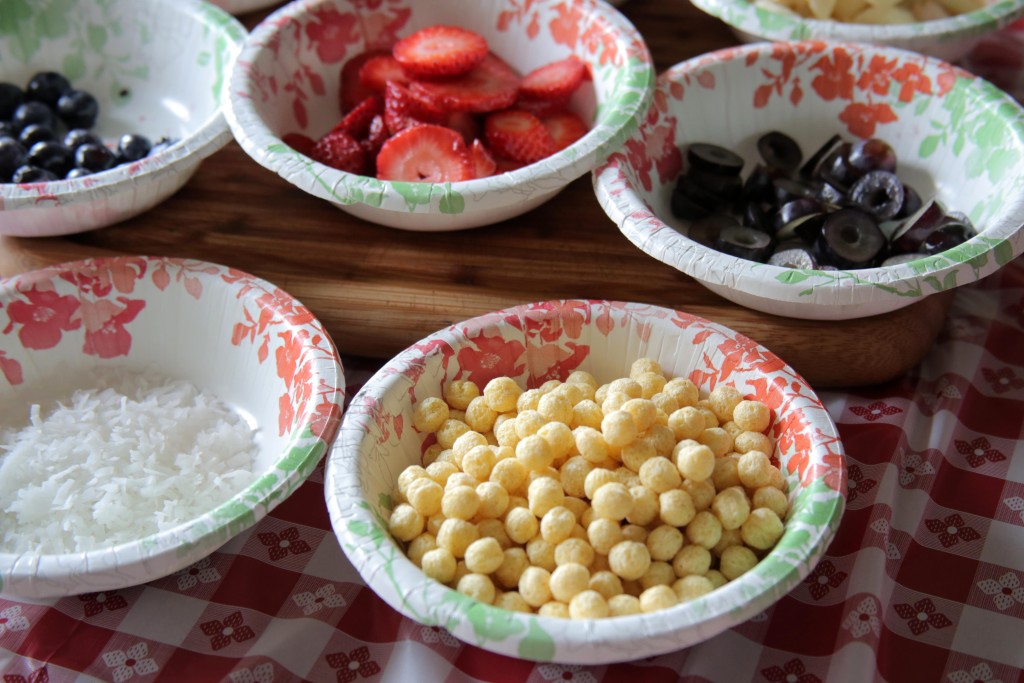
(150, 410)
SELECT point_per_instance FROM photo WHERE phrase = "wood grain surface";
(377, 289)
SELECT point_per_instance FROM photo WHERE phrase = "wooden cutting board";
(377, 290)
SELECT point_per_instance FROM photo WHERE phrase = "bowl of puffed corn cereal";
(947, 29)
(585, 481)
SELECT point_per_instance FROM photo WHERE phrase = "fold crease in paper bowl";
(305, 44)
(157, 68)
(957, 138)
(948, 39)
(535, 343)
(231, 334)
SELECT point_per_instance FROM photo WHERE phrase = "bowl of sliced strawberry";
(438, 116)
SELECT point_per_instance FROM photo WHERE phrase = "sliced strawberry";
(565, 128)
(357, 122)
(303, 144)
(425, 153)
(483, 163)
(402, 109)
(554, 81)
(518, 135)
(350, 91)
(340, 150)
(375, 136)
(542, 108)
(440, 51)
(506, 165)
(489, 87)
(378, 71)
(465, 124)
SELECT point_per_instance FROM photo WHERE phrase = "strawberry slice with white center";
(554, 81)
(440, 51)
(425, 153)
(565, 128)
(340, 150)
(483, 163)
(489, 87)
(518, 135)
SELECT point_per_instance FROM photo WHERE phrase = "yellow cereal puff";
(629, 559)
(439, 564)
(429, 414)
(460, 392)
(405, 523)
(588, 604)
(501, 394)
(478, 587)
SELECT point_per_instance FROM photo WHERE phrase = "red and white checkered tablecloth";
(923, 582)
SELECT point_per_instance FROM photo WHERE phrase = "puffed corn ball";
(583, 500)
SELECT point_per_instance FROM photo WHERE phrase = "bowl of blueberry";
(440, 115)
(104, 117)
(826, 180)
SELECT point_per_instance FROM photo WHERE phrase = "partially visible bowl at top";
(957, 139)
(156, 67)
(287, 82)
(948, 38)
(240, 388)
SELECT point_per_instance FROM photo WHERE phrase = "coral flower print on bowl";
(228, 333)
(957, 138)
(537, 343)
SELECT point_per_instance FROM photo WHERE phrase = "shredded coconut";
(136, 455)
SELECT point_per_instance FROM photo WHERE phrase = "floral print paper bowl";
(287, 83)
(949, 38)
(539, 342)
(156, 67)
(232, 336)
(957, 139)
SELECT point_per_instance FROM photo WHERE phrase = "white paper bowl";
(948, 39)
(957, 138)
(535, 343)
(157, 68)
(227, 332)
(286, 82)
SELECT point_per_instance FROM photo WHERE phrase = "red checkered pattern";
(924, 581)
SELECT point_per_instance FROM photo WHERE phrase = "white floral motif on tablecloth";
(951, 530)
(436, 634)
(324, 596)
(1005, 590)
(863, 619)
(565, 672)
(1015, 503)
(912, 466)
(40, 675)
(824, 578)
(279, 545)
(199, 572)
(875, 411)
(792, 671)
(125, 664)
(979, 673)
(11, 619)
(922, 616)
(1003, 379)
(979, 450)
(261, 673)
(882, 527)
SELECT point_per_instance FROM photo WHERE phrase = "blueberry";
(162, 144)
(911, 234)
(7, 130)
(52, 156)
(879, 193)
(690, 201)
(12, 155)
(78, 109)
(954, 230)
(10, 97)
(796, 210)
(80, 136)
(93, 157)
(133, 147)
(33, 174)
(911, 202)
(33, 112)
(744, 242)
(823, 156)
(758, 186)
(850, 238)
(77, 172)
(713, 158)
(754, 216)
(787, 189)
(724, 187)
(47, 87)
(779, 150)
(34, 133)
